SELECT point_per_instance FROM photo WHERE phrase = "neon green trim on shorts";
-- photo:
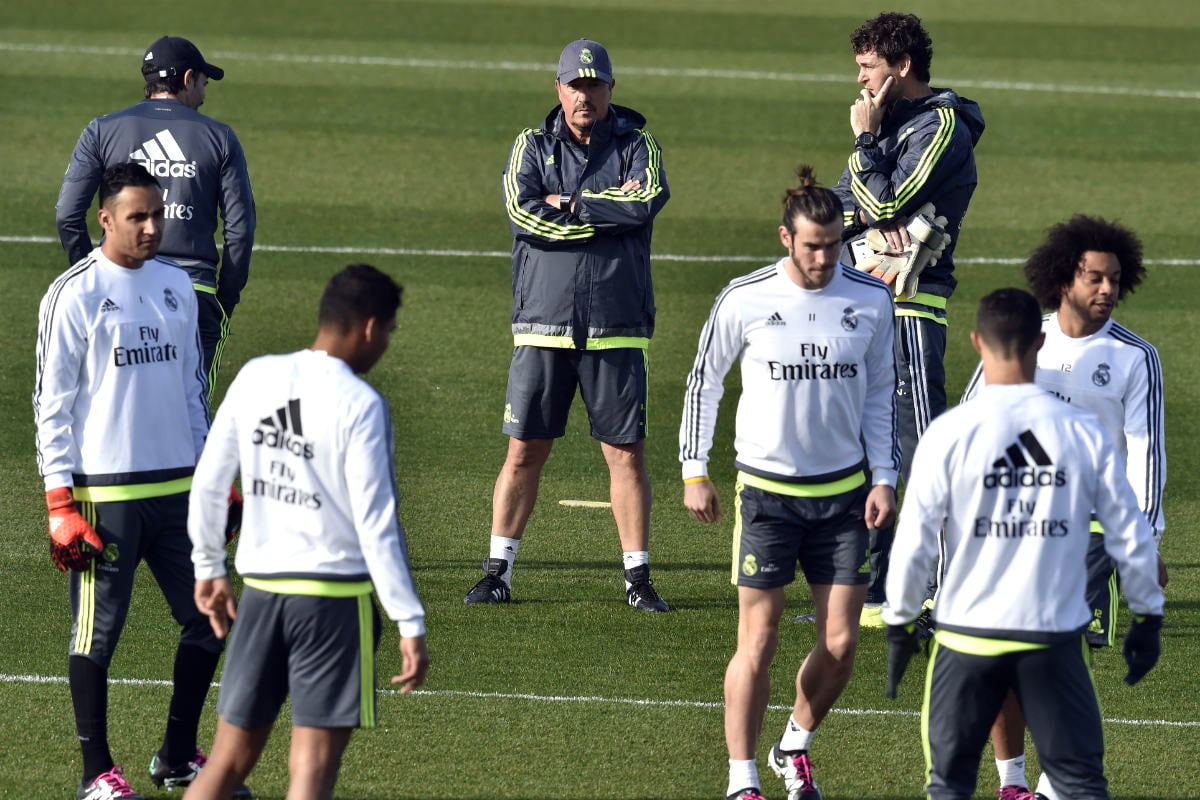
(981, 646)
(737, 531)
(311, 586)
(200, 287)
(830, 489)
(366, 663)
(133, 491)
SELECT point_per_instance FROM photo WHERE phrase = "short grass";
(381, 127)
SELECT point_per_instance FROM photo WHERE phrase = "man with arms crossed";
(814, 338)
(199, 163)
(1012, 478)
(121, 418)
(581, 193)
(1082, 270)
(314, 446)
(914, 145)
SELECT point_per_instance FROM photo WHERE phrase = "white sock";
(794, 737)
(1012, 771)
(742, 775)
(1044, 787)
(635, 558)
(503, 547)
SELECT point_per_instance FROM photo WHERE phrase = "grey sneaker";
(491, 587)
(641, 593)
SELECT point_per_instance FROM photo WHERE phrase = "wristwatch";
(564, 202)
(865, 139)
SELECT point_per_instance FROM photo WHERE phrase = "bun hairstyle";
(810, 200)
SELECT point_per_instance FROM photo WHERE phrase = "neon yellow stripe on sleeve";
(522, 218)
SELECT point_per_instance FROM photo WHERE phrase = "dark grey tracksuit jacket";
(581, 279)
(202, 169)
(925, 154)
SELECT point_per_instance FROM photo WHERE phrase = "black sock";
(89, 696)
(194, 670)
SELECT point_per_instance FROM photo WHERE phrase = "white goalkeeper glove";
(901, 269)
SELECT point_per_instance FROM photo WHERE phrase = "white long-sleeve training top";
(1117, 375)
(1013, 476)
(818, 378)
(120, 399)
(314, 445)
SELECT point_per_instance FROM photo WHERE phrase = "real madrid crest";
(849, 318)
(1102, 375)
(585, 56)
(169, 299)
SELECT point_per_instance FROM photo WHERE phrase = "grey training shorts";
(319, 649)
(827, 536)
(542, 383)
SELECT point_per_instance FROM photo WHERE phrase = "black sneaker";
(491, 587)
(182, 775)
(641, 593)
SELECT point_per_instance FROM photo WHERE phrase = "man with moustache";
(581, 193)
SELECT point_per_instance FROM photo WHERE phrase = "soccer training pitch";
(376, 131)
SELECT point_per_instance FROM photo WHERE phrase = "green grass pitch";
(376, 130)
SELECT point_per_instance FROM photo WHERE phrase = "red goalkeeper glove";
(233, 519)
(73, 542)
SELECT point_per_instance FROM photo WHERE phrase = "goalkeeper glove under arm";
(901, 269)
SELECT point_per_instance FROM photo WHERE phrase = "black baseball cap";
(174, 55)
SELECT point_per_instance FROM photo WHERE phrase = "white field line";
(625, 701)
(666, 72)
(691, 259)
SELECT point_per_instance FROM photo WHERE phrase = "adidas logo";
(1024, 463)
(284, 431)
(109, 305)
(775, 319)
(163, 157)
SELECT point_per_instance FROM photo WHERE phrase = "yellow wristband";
(698, 479)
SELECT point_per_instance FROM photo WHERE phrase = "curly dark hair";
(893, 35)
(1050, 269)
(811, 201)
